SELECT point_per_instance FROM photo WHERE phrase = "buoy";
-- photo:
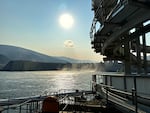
(50, 105)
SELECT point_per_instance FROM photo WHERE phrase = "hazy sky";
(34, 24)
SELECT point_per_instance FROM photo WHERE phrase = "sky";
(36, 25)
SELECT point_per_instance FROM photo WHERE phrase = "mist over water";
(22, 84)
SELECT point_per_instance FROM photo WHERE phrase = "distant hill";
(17, 53)
(3, 60)
(16, 58)
(37, 66)
(32, 66)
(71, 60)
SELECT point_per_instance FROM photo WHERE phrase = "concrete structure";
(115, 38)
(121, 36)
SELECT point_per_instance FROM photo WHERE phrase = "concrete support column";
(138, 52)
(144, 54)
(127, 61)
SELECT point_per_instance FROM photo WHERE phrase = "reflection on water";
(21, 84)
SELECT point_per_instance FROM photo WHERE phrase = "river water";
(31, 83)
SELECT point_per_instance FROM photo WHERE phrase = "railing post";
(1, 109)
(93, 83)
(134, 95)
(20, 109)
(8, 109)
(30, 108)
(37, 107)
(125, 83)
(27, 108)
(33, 106)
(106, 90)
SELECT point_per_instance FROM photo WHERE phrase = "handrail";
(65, 107)
(16, 105)
(111, 88)
(63, 98)
(126, 94)
(32, 104)
(20, 100)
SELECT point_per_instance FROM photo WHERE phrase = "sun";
(66, 20)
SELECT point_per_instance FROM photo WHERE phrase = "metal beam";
(133, 22)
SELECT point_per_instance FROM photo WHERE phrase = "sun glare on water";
(66, 21)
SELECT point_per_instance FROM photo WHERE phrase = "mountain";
(14, 58)
(72, 60)
(16, 53)
(33, 66)
(3, 60)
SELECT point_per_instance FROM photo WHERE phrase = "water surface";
(22, 84)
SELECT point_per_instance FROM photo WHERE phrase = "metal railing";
(34, 104)
(22, 105)
(127, 92)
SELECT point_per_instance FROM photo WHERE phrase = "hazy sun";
(66, 21)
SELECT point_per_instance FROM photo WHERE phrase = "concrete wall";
(127, 83)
